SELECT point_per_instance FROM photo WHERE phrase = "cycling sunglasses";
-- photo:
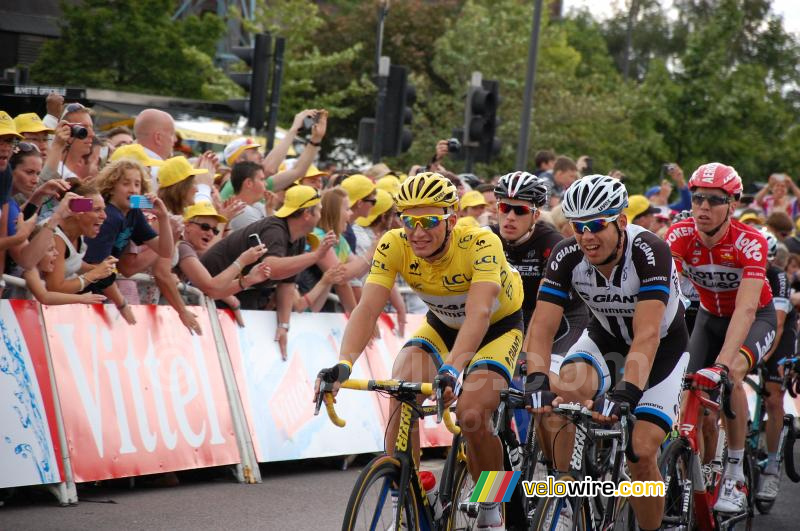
(427, 222)
(713, 200)
(519, 210)
(205, 227)
(593, 225)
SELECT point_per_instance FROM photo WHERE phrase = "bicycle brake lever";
(627, 420)
(727, 389)
(439, 405)
(323, 388)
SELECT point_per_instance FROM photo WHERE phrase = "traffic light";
(396, 118)
(400, 96)
(481, 120)
(254, 82)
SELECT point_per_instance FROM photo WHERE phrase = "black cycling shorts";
(785, 349)
(709, 332)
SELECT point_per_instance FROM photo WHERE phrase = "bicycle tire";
(531, 460)
(549, 508)
(675, 467)
(463, 485)
(382, 472)
(788, 453)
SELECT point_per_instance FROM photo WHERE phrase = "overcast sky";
(790, 9)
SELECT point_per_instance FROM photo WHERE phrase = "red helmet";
(716, 175)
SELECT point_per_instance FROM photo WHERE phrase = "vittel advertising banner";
(29, 454)
(138, 399)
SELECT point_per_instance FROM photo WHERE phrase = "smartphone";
(140, 201)
(253, 240)
(80, 204)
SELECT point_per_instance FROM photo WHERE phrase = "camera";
(78, 131)
(309, 121)
(253, 240)
(453, 145)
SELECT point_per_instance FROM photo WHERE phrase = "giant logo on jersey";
(647, 250)
(560, 255)
(750, 246)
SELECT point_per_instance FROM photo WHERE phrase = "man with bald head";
(155, 131)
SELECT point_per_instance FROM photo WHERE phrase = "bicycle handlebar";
(726, 388)
(390, 386)
(626, 421)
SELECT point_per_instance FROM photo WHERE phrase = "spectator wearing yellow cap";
(641, 212)
(361, 193)
(202, 225)
(280, 179)
(176, 184)
(471, 208)
(389, 183)
(136, 152)
(284, 236)
(313, 177)
(33, 130)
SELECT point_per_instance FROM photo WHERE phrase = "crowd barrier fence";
(86, 397)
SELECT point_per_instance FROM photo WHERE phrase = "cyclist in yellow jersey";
(473, 330)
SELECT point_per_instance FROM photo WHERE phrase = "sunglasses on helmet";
(427, 222)
(592, 225)
(519, 210)
(713, 200)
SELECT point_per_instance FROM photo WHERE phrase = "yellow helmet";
(427, 189)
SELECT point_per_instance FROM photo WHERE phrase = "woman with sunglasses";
(632, 352)
(726, 260)
(201, 228)
(528, 243)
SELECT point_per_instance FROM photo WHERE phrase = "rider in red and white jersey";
(727, 262)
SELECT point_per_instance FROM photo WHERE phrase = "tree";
(134, 45)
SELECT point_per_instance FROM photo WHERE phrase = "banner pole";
(247, 471)
(66, 492)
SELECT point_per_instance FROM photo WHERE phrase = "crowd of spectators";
(84, 210)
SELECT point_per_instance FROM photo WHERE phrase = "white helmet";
(594, 196)
(772, 244)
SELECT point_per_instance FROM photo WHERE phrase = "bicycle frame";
(410, 412)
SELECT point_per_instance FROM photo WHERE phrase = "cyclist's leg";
(417, 361)
(705, 343)
(656, 413)
(488, 373)
(774, 406)
(758, 342)
(583, 376)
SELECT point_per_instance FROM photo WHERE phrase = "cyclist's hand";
(710, 378)
(538, 397)
(608, 408)
(446, 381)
(330, 379)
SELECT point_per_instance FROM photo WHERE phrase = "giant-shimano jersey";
(717, 272)
(475, 254)
(645, 272)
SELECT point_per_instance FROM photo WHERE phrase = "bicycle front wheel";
(463, 513)
(562, 513)
(371, 504)
(675, 467)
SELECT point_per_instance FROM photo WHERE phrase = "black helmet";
(522, 185)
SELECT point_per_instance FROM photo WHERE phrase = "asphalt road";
(293, 496)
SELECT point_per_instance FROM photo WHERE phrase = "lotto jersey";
(717, 272)
(474, 255)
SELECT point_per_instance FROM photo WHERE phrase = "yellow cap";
(751, 216)
(7, 126)
(467, 221)
(383, 202)
(30, 123)
(471, 199)
(312, 171)
(137, 153)
(358, 187)
(639, 205)
(297, 197)
(203, 208)
(390, 183)
(176, 170)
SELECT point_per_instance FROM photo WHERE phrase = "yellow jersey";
(474, 254)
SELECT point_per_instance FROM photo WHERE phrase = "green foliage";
(133, 45)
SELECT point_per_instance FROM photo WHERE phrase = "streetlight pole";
(530, 79)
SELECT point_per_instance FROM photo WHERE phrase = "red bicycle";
(691, 487)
